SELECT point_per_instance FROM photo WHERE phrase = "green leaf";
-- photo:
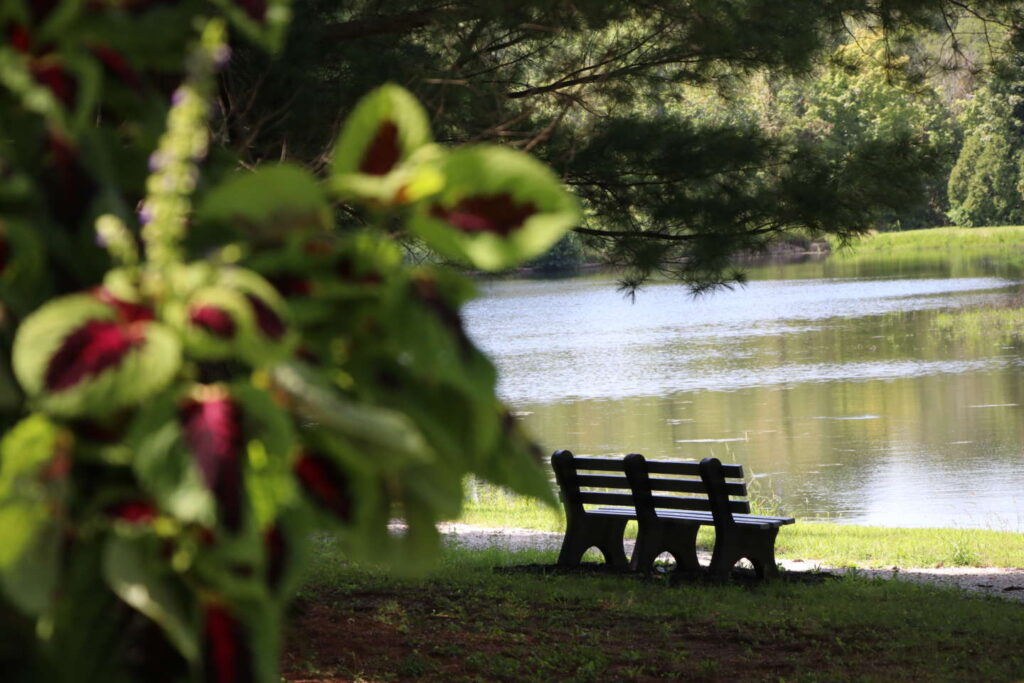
(89, 623)
(136, 572)
(516, 463)
(265, 23)
(499, 207)
(16, 77)
(268, 203)
(23, 283)
(392, 436)
(33, 488)
(383, 153)
(30, 581)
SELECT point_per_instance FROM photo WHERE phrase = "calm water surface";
(828, 382)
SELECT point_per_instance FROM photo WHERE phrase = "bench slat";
(596, 498)
(689, 468)
(696, 516)
(693, 486)
(603, 481)
(681, 503)
(599, 464)
(706, 519)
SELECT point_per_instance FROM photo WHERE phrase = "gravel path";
(998, 581)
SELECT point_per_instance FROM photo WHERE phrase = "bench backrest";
(711, 481)
(577, 477)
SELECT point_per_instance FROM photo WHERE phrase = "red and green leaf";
(212, 431)
(380, 153)
(325, 484)
(227, 654)
(499, 207)
(91, 355)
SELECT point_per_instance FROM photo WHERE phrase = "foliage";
(199, 369)
(871, 95)
(985, 183)
(566, 256)
(639, 107)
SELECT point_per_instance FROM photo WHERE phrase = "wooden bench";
(625, 490)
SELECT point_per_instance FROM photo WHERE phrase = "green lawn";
(464, 621)
(997, 240)
(831, 544)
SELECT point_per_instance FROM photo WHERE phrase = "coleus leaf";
(202, 454)
(499, 207)
(241, 315)
(90, 355)
(287, 547)
(227, 651)
(325, 483)
(383, 154)
(268, 203)
(212, 431)
(516, 462)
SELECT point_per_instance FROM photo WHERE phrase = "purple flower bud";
(178, 95)
(156, 161)
(101, 241)
(145, 214)
(221, 56)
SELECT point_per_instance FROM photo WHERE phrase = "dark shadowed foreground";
(469, 622)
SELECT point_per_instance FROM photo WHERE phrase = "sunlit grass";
(1002, 241)
(1006, 323)
(829, 544)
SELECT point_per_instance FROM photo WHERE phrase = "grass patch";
(1004, 323)
(841, 545)
(1001, 240)
(466, 622)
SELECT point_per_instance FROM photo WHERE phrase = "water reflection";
(833, 390)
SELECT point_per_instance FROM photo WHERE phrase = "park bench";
(625, 490)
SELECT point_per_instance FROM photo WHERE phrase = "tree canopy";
(644, 108)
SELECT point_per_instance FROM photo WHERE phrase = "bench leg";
(654, 539)
(605, 534)
(756, 545)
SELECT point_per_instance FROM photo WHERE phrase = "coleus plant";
(201, 370)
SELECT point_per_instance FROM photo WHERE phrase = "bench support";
(603, 533)
(756, 545)
(664, 536)
(656, 535)
(732, 541)
(585, 530)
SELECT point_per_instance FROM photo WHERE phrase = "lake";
(827, 380)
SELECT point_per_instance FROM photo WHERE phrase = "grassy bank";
(996, 245)
(465, 621)
(831, 544)
(1002, 241)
